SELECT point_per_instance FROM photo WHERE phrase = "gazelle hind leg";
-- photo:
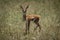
(39, 26)
(36, 21)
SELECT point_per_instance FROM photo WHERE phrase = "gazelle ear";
(21, 7)
(27, 6)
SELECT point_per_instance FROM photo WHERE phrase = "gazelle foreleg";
(27, 26)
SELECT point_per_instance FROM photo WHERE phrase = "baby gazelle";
(29, 18)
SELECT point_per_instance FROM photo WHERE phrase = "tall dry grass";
(12, 27)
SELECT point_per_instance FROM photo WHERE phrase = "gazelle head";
(24, 10)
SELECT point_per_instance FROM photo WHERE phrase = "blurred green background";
(12, 27)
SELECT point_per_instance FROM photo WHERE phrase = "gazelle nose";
(24, 10)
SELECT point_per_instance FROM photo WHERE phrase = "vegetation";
(12, 26)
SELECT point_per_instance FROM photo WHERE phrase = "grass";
(12, 27)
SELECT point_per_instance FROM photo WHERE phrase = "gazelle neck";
(24, 17)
